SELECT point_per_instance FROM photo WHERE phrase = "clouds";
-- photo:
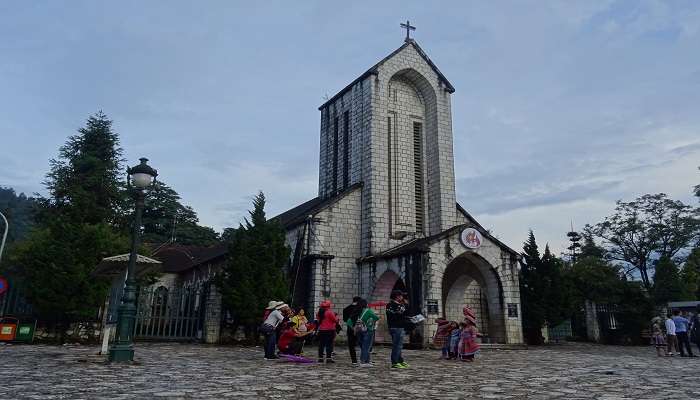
(561, 108)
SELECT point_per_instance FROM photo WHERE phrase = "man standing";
(671, 341)
(397, 320)
(350, 314)
(682, 333)
(269, 327)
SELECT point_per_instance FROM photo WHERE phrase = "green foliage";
(75, 227)
(597, 280)
(690, 276)
(19, 211)
(165, 218)
(541, 290)
(85, 181)
(55, 263)
(254, 273)
(648, 226)
(667, 283)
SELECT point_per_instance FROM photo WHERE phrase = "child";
(468, 346)
(455, 334)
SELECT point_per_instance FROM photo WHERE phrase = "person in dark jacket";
(350, 314)
(397, 320)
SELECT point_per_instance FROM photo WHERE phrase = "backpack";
(360, 326)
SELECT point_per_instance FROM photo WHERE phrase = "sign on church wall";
(471, 238)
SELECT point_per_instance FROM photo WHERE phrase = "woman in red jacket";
(327, 321)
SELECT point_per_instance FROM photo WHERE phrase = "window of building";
(418, 172)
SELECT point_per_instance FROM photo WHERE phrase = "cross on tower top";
(408, 28)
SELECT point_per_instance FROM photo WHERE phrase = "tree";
(54, 265)
(254, 273)
(75, 228)
(651, 225)
(85, 182)
(531, 289)
(667, 282)
(690, 276)
(553, 296)
(575, 247)
(19, 211)
(166, 219)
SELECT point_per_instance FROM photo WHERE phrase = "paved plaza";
(185, 371)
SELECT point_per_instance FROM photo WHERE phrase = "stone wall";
(337, 233)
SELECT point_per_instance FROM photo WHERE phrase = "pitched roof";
(298, 214)
(179, 258)
(374, 70)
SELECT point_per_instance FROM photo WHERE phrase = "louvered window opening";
(418, 174)
(335, 155)
(346, 149)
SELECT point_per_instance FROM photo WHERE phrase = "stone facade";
(386, 216)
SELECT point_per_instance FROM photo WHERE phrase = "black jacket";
(351, 312)
(396, 315)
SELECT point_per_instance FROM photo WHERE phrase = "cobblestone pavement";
(571, 371)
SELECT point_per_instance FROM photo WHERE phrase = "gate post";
(212, 316)
(592, 327)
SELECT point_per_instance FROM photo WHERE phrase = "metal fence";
(14, 303)
(171, 313)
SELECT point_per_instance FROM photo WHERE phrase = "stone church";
(386, 216)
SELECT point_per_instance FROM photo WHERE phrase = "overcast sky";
(561, 108)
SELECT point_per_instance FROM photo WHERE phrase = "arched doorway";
(386, 283)
(469, 280)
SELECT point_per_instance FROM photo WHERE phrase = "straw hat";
(281, 305)
(273, 304)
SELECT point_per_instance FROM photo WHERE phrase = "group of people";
(288, 331)
(676, 333)
(458, 340)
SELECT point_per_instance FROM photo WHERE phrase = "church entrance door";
(470, 281)
(378, 300)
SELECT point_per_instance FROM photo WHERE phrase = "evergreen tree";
(75, 229)
(19, 211)
(166, 219)
(254, 273)
(86, 180)
(667, 284)
(531, 289)
(553, 296)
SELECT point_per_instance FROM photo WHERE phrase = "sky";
(561, 107)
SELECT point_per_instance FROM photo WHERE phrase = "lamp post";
(122, 350)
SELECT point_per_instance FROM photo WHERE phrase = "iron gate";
(171, 313)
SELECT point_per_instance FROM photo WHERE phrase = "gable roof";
(374, 70)
(178, 258)
(298, 214)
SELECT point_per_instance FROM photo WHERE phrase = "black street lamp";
(122, 350)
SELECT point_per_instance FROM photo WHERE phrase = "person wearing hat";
(327, 322)
(269, 327)
(468, 346)
(397, 319)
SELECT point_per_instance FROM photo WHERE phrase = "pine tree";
(550, 272)
(531, 288)
(254, 274)
(75, 228)
(667, 284)
(86, 180)
(166, 219)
